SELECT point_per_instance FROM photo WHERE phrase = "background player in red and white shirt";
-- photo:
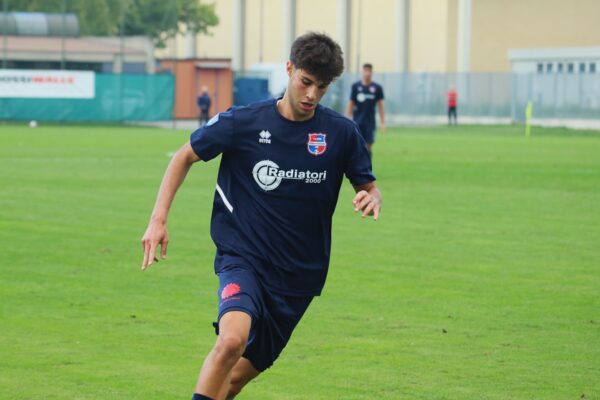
(452, 100)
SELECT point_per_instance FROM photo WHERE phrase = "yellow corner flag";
(528, 115)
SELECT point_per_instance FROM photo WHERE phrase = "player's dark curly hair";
(319, 55)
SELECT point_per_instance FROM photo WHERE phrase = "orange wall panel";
(188, 81)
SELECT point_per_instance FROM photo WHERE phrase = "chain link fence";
(497, 95)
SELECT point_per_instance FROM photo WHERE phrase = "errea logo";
(264, 137)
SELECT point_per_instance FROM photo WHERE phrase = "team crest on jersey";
(317, 143)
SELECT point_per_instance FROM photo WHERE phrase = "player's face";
(304, 92)
(367, 74)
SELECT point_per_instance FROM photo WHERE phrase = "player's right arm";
(206, 143)
(156, 234)
(349, 109)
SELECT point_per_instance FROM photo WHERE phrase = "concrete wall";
(511, 24)
(428, 35)
(451, 35)
(497, 26)
(377, 35)
(272, 31)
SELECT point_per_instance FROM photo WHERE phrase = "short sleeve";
(353, 93)
(215, 137)
(358, 161)
(379, 93)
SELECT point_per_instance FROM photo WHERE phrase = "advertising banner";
(46, 84)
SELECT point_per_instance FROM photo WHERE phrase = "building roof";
(567, 53)
(91, 44)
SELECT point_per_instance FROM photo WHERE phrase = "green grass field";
(480, 281)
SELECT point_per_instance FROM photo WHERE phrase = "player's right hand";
(155, 234)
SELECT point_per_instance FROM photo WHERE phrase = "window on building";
(559, 68)
(582, 68)
(540, 68)
(592, 68)
(134, 68)
(570, 68)
(549, 67)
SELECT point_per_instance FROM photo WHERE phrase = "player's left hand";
(382, 127)
(367, 203)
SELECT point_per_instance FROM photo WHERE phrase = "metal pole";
(564, 90)
(122, 56)
(174, 66)
(4, 33)
(491, 93)
(463, 48)
(62, 35)
(261, 39)
(555, 93)
(358, 35)
(402, 34)
(239, 35)
(122, 38)
(289, 26)
(344, 22)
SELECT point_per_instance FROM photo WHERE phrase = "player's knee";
(230, 346)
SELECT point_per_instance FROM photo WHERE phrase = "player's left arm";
(381, 109)
(351, 102)
(367, 200)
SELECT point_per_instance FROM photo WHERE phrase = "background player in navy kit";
(203, 102)
(365, 95)
(282, 166)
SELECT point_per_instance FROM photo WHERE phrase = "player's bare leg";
(234, 329)
(225, 388)
(242, 373)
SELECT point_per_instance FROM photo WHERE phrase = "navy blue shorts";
(368, 132)
(274, 316)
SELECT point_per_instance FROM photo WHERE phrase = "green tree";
(157, 19)
(161, 19)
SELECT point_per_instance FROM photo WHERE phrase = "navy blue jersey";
(277, 189)
(365, 98)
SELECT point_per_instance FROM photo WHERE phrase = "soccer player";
(282, 164)
(452, 97)
(365, 95)
(203, 102)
